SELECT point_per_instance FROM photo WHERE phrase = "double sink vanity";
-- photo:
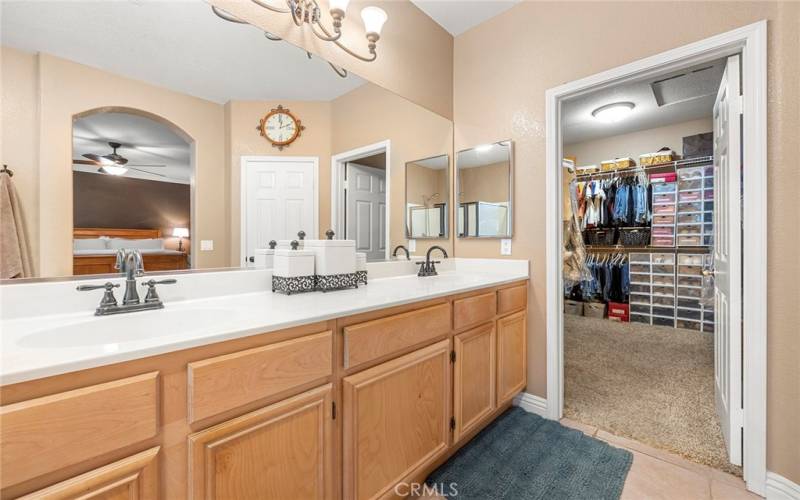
(232, 391)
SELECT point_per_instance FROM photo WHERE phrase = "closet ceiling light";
(483, 148)
(113, 170)
(612, 113)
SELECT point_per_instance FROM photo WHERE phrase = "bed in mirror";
(180, 140)
(485, 181)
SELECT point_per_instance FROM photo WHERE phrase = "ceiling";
(481, 157)
(458, 16)
(144, 142)
(691, 93)
(179, 45)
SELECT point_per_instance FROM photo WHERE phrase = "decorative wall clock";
(280, 127)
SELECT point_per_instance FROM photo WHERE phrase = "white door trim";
(243, 195)
(751, 41)
(338, 162)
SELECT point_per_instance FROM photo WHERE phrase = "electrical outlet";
(505, 246)
(412, 246)
(206, 245)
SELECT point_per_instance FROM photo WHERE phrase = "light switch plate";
(412, 246)
(206, 245)
(505, 246)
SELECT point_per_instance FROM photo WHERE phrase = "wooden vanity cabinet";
(473, 378)
(511, 356)
(279, 452)
(395, 420)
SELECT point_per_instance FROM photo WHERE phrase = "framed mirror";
(427, 198)
(485, 186)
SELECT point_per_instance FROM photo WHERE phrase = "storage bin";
(293, 270)
(664, 209)
(624, 163)
(637, 237)
(333, 257)
(689, 207)
(686, 259)
(689, 314)
(690, 280)
(594, 309)
(639, 318)
(663, 155)
(687, 229)
(640, 288)
(639, 268)
(663, 241)
(690, 173)
(573, 307)
(664, 198)
(690, 184)
(663, 258)
(587, 169)
(661, 220)
(689, 292)
(690, 196)
(663, 187)
(618, 312)
(608, 165)
(708, 327)
(693, 218)
(708, 194)
(708, 183)
(640, 308)
(640, 278)
(690, 241)
(663, 231)
(658, 300)
(639, 299)
(708, 241)
(640, 257)
(646, 159)
(667, 312)
(691, 270)
(663, 268)
(663, 177)
(604, 237)
(708, 315)
(664, 290)
(688, 325)
(688, 303)
(663, 321)
(668, 280)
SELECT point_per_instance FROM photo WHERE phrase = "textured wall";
(502, 69)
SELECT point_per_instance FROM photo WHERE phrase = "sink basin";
(129, 327)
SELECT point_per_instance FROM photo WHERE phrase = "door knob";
(251, 259)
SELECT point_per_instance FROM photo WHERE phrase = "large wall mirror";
(428, 198)
(165, 128)
(485, 184)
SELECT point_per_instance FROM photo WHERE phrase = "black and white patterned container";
(294, 284)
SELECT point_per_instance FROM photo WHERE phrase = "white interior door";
(280, 200)
(365, 213)
(727, 259)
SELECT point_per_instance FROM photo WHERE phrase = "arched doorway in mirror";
(132, 186)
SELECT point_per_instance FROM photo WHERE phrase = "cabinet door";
(474, 377)
(279, 452)
(132, 478)
(396, 420)
(512, 356)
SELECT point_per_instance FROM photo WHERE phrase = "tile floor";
(657, 474)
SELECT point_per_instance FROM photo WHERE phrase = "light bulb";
(612, 113)
(338, 5)
(373, 18)
(113, 170)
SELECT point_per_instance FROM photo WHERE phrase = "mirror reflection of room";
(484, 191)
(427, 196)
(158, 142)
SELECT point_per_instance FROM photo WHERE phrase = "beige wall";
(370, 114)
(415, 54)
(485, 183)
(630, 145)
(242, 117)
(20, 126)
(421, 183)
(67, 89)
(502, 69)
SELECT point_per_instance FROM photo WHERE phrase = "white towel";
(15, 256)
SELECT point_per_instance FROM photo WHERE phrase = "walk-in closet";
(639, 227)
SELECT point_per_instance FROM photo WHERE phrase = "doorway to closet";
(647, 252)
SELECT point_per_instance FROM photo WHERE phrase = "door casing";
(751, 42)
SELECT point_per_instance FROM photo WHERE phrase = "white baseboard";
(780, 488)
(531, 403)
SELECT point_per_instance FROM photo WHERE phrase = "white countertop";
(39, 346)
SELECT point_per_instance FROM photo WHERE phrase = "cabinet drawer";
(226, 382)
(52, 432)
(511, 299)
(474, 310)
(133, 478)
(365, 342)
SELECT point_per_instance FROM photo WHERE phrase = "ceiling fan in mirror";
(114, 163)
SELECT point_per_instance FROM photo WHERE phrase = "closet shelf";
(647, 249)
(661, 167)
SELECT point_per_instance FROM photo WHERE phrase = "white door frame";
(243, 195)
(338, 162)
(751, 41)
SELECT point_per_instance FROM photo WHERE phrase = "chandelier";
(309, 12)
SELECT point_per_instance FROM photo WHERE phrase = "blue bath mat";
(524, 456)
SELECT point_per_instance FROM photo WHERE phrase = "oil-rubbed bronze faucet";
(428, 267)
(398, 247)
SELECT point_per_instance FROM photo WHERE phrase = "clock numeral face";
(280, 127)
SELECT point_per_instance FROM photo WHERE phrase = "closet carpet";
(650, 383)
